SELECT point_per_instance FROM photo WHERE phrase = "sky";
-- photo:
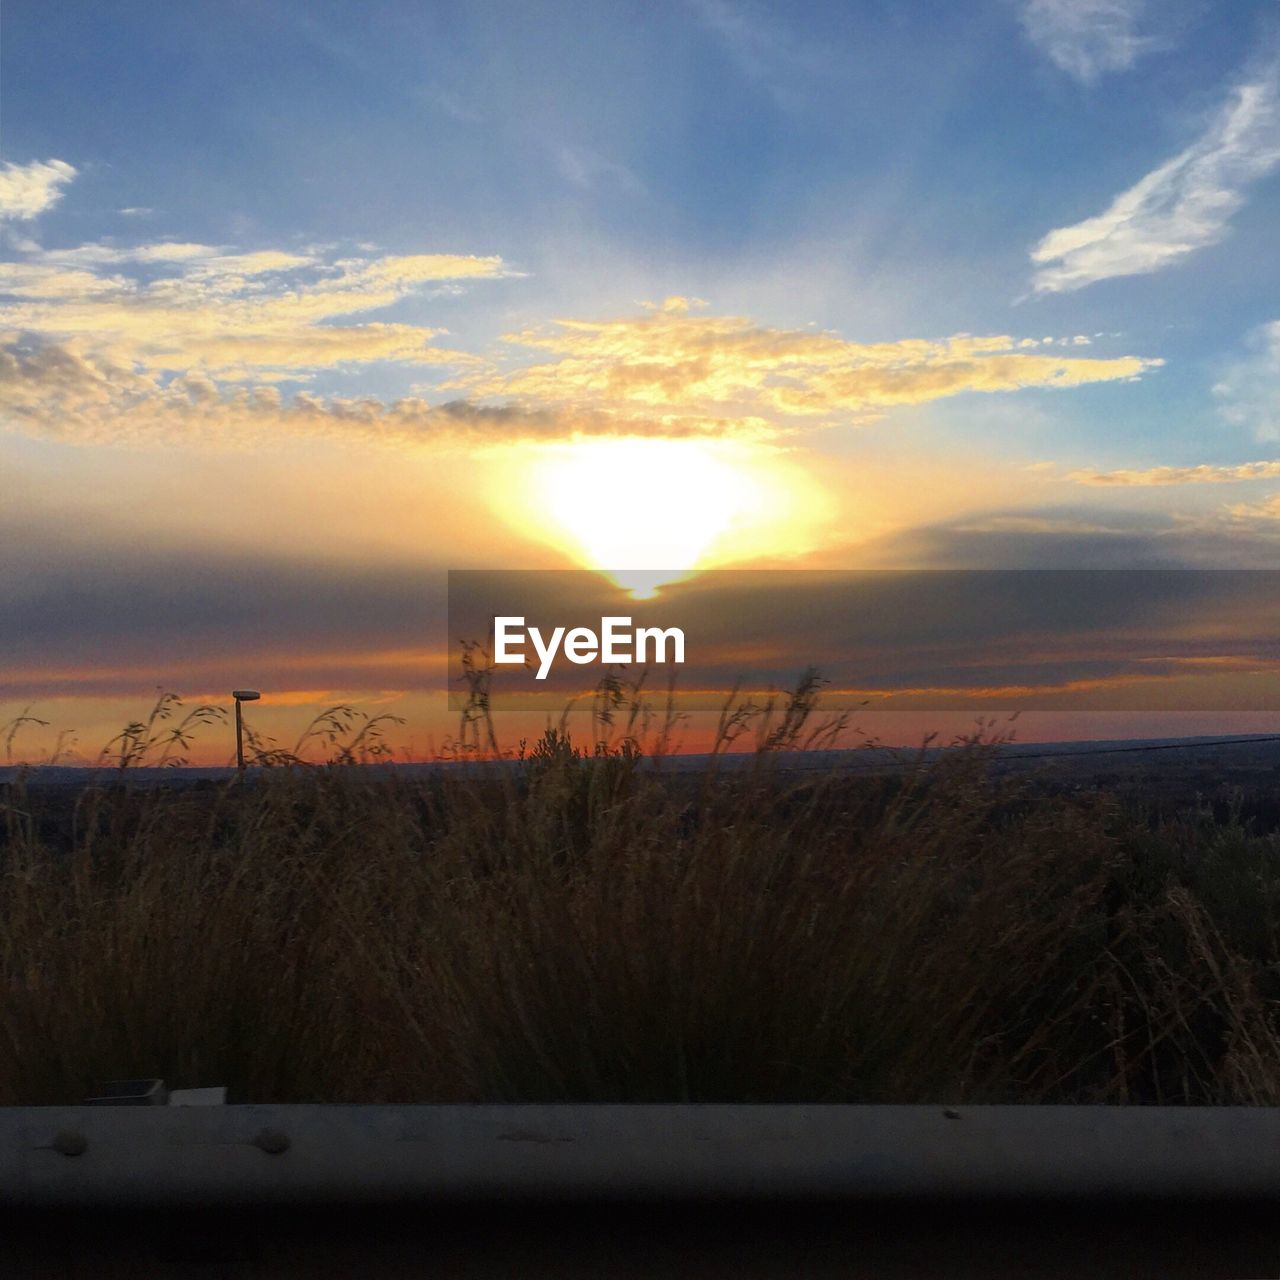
(303, 305)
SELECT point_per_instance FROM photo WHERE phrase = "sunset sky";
(304, 304)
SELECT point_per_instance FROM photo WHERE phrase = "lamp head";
(245, 695)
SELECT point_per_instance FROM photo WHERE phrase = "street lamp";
(242, 695)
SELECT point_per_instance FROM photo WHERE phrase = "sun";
(650, 511)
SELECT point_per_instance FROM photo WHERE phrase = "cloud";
(1035, 523)
(673, 362)
(1184, 205)
(1249, 391)
(209, 257)
(184, 307)
(27, 190)
(762, 49)
(1086, 38)
(1200, 474)
(53, 391)
(1267, 510)
(452, 104)
(181, 339)
(91, 610)
(1074, 537)
(588, 170)
(177, 340)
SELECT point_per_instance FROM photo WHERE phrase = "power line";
(1159, 746)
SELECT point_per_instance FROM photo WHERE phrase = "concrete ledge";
(305, 1154)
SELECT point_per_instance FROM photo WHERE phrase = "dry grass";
(604, 928)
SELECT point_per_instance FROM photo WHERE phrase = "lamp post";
(242, 695)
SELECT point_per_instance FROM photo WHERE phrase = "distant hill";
(1079, 758)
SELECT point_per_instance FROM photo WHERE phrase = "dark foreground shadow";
(625, 1241)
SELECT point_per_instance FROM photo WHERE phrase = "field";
(601, 926)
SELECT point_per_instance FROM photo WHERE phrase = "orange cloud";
(227, 314)
(1266, 510)
(670, 360)
(58, 391)
(1200, 474)
(187, 340)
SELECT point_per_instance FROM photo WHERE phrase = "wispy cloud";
(671, 361)
(452, 104)
(143, 341)
(1267, 511)
(199, 256)
(1087, 38)
(118, 366)
(53, 391)
(194, 308)
(588, 170)
(181, 340)
(763, 49)
(1249, 391)
(310, 623)
(1184, 205)
(27, 190)
(1203, 473)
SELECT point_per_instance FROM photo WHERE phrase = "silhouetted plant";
(592, 923)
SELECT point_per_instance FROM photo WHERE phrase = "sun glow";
(647, 512)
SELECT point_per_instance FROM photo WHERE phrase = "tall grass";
(593, 925)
